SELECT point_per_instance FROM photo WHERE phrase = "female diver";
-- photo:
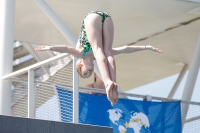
(95, 42)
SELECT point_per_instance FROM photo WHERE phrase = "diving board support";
(75, 93)
(7, 16)
(191, 80)
(178, 81)
(192, 119)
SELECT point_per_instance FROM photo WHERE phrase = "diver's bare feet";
(115, 93)
(109, 91)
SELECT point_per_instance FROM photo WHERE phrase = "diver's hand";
(149, 47)
(42, 48)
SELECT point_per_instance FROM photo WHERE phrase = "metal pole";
(31, 98)
(75, 93)
(7, 15)
(191, 80)
(178, 81)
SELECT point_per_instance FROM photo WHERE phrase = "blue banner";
(127, 116)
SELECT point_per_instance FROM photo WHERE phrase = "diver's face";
(87, 70)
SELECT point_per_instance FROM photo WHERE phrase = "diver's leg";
(93, 27)
(108, 35)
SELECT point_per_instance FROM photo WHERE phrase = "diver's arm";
(61, 49)
(131, 49)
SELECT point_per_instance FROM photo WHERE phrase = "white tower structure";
(7, 13)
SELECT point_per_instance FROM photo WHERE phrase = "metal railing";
(30, 71)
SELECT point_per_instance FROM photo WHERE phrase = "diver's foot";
(109, 92)
(115, 93)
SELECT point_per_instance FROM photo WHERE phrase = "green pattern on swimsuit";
(103, 15)
(83, 39)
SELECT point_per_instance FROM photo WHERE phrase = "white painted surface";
(75, 93)
(191, 79)
(178, 81)
(31, 98)
(7, 15)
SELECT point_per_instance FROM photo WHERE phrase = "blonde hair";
(78, 67)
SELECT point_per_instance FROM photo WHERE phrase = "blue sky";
(162, 88)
